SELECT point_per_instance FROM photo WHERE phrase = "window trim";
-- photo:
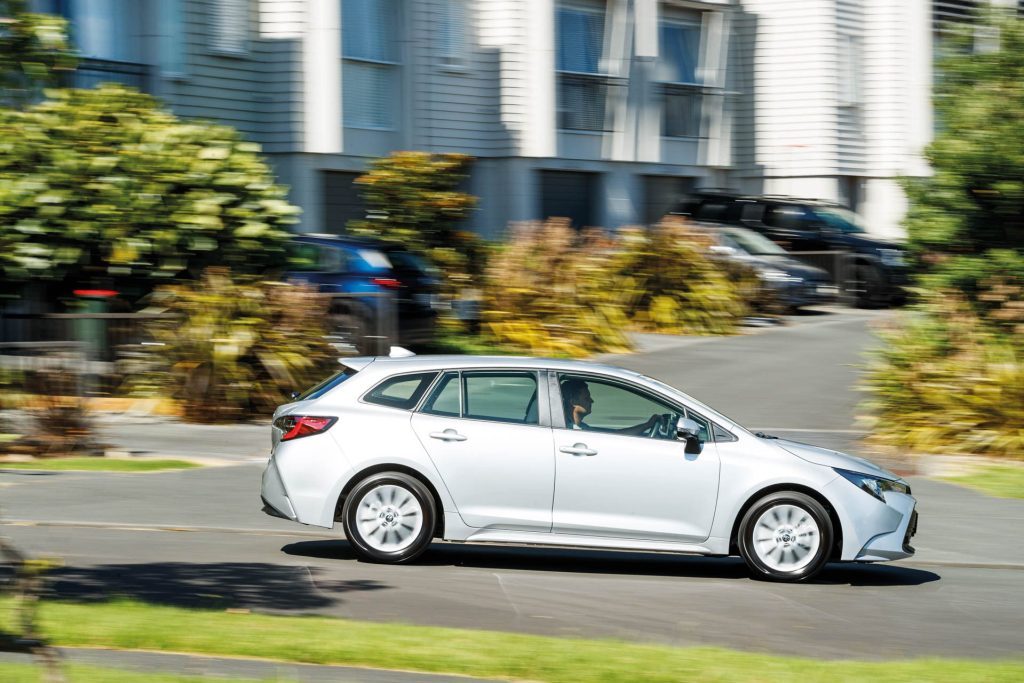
(558, 417)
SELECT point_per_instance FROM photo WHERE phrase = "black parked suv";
(874, 271)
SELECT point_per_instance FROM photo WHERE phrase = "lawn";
(99, 465)
(1002, 481)
(484, 654)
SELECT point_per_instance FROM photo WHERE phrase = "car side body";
(541, 482)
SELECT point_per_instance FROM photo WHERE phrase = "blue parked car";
(366, 276)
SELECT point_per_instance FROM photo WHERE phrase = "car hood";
(830, 458)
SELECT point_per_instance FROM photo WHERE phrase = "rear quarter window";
(402, 391)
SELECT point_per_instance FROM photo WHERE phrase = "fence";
(98, 344)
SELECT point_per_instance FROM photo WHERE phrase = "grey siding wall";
(259, 91)
(456, 106)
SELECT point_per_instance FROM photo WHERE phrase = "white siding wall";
(794, 86)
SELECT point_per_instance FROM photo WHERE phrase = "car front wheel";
(389, 517)
(785, 536)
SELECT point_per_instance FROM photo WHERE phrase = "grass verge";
(483, 654)
(1002, 481)
(99, 465)
(28, 673)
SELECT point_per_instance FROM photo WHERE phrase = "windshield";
(840, 219)
(752, 242)
(702, 407)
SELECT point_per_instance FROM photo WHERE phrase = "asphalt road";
(197, 538)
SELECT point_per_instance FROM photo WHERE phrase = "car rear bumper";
(274, 496)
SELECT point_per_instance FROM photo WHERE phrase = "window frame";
(600, 79)
(694, 89)
(393, 67)
(225, 44)
(558, 416)
(543, 409)
(419, 399)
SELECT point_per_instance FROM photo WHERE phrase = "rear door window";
(500, 396)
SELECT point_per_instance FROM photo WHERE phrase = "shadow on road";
(257, 586)
(626, 563)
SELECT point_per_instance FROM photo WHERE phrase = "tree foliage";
(414, 200)
(970, 213)
(34, 52)
(100, 185)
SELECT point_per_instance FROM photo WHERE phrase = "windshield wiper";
(762, 435)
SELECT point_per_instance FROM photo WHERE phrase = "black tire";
(864, 285)
(397, 487)
(773, 569)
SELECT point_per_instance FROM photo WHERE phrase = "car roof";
(389, 364)
(338, 241)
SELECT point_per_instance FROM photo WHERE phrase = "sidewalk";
(224, 667)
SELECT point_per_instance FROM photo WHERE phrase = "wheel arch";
(837, 526)
(392, 467)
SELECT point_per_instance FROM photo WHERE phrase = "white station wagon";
(405, 450)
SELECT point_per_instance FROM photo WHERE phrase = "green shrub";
(104, 184)
(547, 292)
(235, 349)
(949, 380)
(669, 282)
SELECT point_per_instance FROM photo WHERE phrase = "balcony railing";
(583, 99)
(92, 72)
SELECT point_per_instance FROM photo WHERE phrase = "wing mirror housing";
(689, 431)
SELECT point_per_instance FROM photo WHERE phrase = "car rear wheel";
(785, 536)
(389, 517)
(863, 285)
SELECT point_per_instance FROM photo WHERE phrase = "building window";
(452, 33)
(678, 72)
(582, 88)
(370, 67)
(849, 71)
(230, 26)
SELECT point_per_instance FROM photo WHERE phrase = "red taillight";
(298, 426)
(387, 282)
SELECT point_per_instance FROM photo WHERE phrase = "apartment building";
(604, 111)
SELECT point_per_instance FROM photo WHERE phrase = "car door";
(613, 481)
(484, 432)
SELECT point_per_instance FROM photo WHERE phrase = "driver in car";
(579, 404)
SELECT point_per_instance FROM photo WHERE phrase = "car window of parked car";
(789, 217)
(323, 387)
(315, 258)
(446, 397)
(401, 391)
(840, 219)
(502, 396)
(751, 211)
(716, 211)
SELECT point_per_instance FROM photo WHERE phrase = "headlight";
(873, 485)
(777, 276)
(891, 257)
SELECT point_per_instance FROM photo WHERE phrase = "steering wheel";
(664, 427)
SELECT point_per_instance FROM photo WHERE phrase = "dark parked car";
(875, 271)
(792, 283)
(366, 275)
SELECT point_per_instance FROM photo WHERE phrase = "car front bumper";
(873, 530)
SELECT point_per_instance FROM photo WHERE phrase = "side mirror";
(688, 430)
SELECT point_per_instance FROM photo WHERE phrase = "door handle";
(578, 449)
(447, 435)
